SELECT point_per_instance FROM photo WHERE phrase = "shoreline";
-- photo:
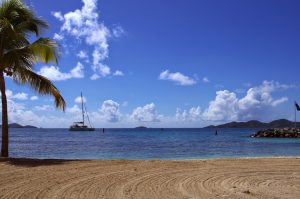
(192, 159)
(212, 178)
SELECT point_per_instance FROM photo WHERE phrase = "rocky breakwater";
(278, 133)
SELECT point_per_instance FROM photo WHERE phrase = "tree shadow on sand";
(26, 162)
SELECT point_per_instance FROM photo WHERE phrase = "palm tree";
(18, 55)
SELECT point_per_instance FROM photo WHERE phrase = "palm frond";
(40, 84)
(22, 18)
(10, 39)
(44, 50)
(8, 6)
(20, 57)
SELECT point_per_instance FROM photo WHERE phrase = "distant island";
(281, 123)
(16, 125)
(140, 127)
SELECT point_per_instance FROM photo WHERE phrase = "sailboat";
(80, 126)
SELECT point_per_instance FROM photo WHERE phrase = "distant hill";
(281, 123)
(29, 127)
(140, 127)
(16, 125)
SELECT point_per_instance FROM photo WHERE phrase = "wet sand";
(218, 178)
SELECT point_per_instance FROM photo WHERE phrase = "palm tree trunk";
(4, 148)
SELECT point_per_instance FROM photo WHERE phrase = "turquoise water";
(147, 144)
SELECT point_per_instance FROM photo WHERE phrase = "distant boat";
(80, 126)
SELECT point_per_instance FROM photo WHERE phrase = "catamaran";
(80, 126)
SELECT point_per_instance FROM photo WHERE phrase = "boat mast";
(82, 108)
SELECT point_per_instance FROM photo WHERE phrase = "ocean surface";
(147, 144)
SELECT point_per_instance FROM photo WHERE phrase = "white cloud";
(259, 99)
(146, 113)
(42, 108)
(82, 55)
(103, 70)
(94, 77)
(8, 93)
(34, 98)
(19, 113)
(78, 71)
(257, 104)
(78, 99)
(177, 77)
(58, 37)
(118, 31)
(58, 15)
(18, 96)
(84, 24)
(74, 109)
(110, 111)
(205, 80)
(223, 108)
(118, 73)
(279, 101)
(194, 114)
(53, 73)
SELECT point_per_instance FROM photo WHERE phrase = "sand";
(219, 178)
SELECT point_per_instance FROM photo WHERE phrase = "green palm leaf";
(39, 83)
(44, 50)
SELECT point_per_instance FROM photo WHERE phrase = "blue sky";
(167, 63)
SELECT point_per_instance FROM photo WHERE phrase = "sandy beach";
(218, 178)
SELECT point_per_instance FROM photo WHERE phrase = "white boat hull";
(81, 129)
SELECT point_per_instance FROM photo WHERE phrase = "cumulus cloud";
(42, 108)
(34, 98)
(58, 15)
(118, 73)
(193, 114)
(223, 108)
(53, 73)
(28, 116)
(259, 98)
(258, 103)
(74, 109)
(78, 99)
(77, 71)
(102, 69)
(110, 111)
(84, 24)
(146, 113)
(94, 77)
(177, 77)
(58, 37)
(18, 96)
(82, 54)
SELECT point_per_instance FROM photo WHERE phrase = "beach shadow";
(26, 162)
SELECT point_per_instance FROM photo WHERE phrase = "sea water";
(147, 144)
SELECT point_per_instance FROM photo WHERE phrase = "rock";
(278, 133)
